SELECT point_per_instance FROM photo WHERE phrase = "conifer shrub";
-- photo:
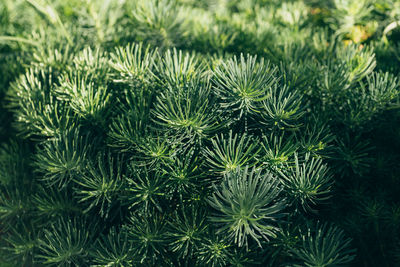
(199, 133)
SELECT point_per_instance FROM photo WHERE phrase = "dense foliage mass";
(199, 133)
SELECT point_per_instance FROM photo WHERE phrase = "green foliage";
(203, 133)
(276, 151)
(347, 13)
(145, 190)
(62, 159)
(184, 175)
(187, 229)
(157, 22)
(317, 139)
(247, 205)
(154, 151)
(186, 112)
(214, 252)
(22, 245)
(113, 249)
(65, 243)
(352, 155)
(149, 239)
(131, 125)
(37, 111)
(13, 164)
(176, 70)
(242, 84)
(83, 90)
(358, 61)
(282, 109)
(51, 203)
(133, 63)
(308, 182)
(324, 246)
(100, 21)
(14, 205)
(99, 186)
(229, 153)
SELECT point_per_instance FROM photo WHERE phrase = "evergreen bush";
(199, 133)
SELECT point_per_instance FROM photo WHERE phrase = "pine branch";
(149, 238)
(242, 84)
(113, 249)
(276, 151)
(248, 206)
(186, 230)
(283, 110)
(65, 243)
(158, 22)
(232, 152)
(62, 159)
(324, 246)
(100, 184)
(308, 183)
